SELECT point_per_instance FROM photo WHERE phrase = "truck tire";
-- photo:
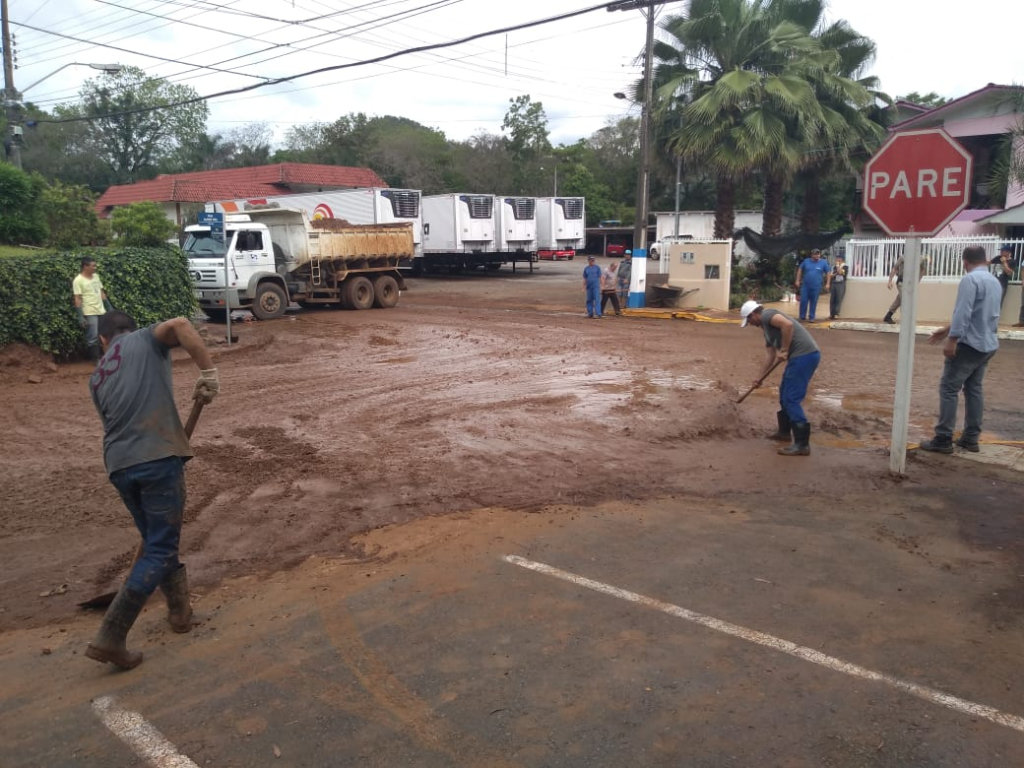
(216, 315)
(385, 291)
(270, 302)
(357, 293)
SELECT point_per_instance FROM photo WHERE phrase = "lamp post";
(12, 98)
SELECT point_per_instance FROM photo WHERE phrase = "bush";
(150, 284)
(72, 217)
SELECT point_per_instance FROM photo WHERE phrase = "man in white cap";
(785, 339)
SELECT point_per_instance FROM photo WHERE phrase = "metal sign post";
(215, 221)
(905, 357)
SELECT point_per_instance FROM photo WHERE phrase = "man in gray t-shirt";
(785, 339)
(144, 449)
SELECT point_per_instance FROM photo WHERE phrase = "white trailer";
(370, 205)
(561, 227)
(516, 226)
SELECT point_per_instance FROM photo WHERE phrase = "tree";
(141, 224)
(251, 145)
(131, 129)
(527, 141)
(930, 99)
(21, 217)
(71, 216)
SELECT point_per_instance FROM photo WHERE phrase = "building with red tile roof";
(179, 194)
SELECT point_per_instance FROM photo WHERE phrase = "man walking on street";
(609, 289)
(810, 276)
(90, 303)
(785, 339)
(896, 273)
(970, 342)
(592, 286)
(144, 450)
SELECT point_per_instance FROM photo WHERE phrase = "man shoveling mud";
(144, 450)
(786, 340)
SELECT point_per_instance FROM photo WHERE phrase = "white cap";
(746, 309)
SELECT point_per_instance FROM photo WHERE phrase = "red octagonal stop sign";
(917, 182)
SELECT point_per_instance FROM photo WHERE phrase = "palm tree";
(748, 78)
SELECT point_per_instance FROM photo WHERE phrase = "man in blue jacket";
(592, 285)
(812, 274)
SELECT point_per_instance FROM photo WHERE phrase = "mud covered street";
(362, 473)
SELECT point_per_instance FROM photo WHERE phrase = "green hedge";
(36, 307)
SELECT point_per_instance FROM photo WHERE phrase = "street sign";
(917, 183)
(215, 221)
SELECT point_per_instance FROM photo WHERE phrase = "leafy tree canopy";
(141, 224)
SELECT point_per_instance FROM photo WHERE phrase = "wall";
(869, 298)
(688, 265)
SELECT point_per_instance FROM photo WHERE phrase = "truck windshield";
(201, 244)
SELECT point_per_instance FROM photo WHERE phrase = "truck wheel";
(270, 302)
(358, 293)
(385, 291)
(216, 315)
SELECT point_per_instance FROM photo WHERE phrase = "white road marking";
(785, 646)
(143, 739)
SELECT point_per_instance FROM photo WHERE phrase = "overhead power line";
(334, 67)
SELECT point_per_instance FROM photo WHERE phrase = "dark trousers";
(154, 492)
(612, 296)
(965, 371)
(835, 299)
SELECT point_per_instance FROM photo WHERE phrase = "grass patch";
(17, 250)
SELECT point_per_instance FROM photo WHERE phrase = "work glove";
(107, 306)
(207, 386)
(81, 316)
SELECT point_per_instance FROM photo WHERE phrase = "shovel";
(759, 382)
(102, 601)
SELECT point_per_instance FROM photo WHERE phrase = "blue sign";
(215, 221)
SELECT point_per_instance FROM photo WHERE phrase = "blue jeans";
(92, 330)
(154, 493)
(795, 380)
(594, 299)
(809, 300)
(964, 372)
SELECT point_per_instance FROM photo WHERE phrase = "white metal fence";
(874, 259)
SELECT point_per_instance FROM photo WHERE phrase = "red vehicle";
(614, 249)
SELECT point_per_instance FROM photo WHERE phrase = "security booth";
(698, 275)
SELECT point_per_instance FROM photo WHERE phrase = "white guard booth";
(702, 269)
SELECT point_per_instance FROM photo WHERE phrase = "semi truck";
(561, 227)
(266, 258)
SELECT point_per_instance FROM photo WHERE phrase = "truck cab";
(236, 272)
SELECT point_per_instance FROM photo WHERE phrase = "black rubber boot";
(179, 608)
(888, 319)
(109, 644)
(785, 432)
(801, 440)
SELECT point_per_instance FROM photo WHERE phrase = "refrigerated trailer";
(464, 231)
(516, 227)
(561, 227)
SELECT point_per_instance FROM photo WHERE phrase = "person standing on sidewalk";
(811, 275)
(896, 273)
(1004, 265)
(970, 342)
(785, 339)
(592, 286)
(835, 298)
(144, 450)
(90, 303)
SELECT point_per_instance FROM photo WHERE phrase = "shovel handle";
(193, 417)
(759, 382)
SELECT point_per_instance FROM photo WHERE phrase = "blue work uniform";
(592, 277)
(813, 280)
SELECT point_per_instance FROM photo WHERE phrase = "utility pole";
(12, 105)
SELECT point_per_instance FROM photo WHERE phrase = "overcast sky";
(572, 66)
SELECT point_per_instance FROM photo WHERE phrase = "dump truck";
(266, 258)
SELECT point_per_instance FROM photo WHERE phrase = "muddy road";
(494, 395)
